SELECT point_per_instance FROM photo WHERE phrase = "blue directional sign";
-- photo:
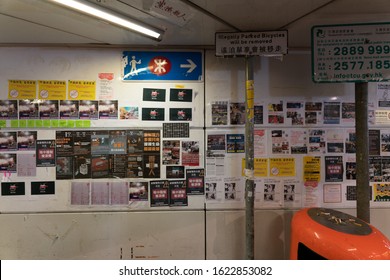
(162, 66)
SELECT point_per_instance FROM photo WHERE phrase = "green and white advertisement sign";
(351, 53)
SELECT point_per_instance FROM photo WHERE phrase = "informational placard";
(162, 66)
(267, 43)
(351, 53)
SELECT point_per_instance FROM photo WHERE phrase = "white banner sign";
(351, 53)
(269, 43)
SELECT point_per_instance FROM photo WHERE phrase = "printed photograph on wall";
(295, 113)
(138, 191)
(332, 112)
(108, 109)
(313, 113)
(175, 171)
(28, 109)
(235, 143)
(190, 153)
(171, 152)
(49, 109)
(8, 141)
(26, 140)
(69, 109)
(128, 113)
(237, 113)
(8, 109)
(258, 114)
(89, 109)
(219, 113)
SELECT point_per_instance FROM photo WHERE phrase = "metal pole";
(362, 174)
(249, 159)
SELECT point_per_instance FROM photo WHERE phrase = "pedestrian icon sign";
(165, 66)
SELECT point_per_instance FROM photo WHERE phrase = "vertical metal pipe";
(362, 174)
(249, 158)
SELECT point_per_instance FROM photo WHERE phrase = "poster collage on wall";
(304, 153)
(104, 166)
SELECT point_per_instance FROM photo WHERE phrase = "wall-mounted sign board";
(351, 53)
(267, 43)
(162, 66)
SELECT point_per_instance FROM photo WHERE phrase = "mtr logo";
(160, 65)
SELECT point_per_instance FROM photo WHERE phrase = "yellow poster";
(52, 90)
(311, 171)
(381, 192)
(22, 89)
(260, 166)
(282, 167)
(81, 90)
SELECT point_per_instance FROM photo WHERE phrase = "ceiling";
(36, 22)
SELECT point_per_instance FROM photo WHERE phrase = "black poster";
(43, 188)
(118, 166)
(180, 95)
(135, 166)
(135, 141)
(64, 143)
(118, 141)
(374, 142)
(180, 114)
(12, 188)
(174, 171)
(153, 114)
(159, 193)
(195, 181)
(64, 167)
(82, 142)
(151, 165)
(82, 167)
(45, 153)
(100, 142)
(178, 193)
(152, 141)
(100, 166)
(151, 94)
(375, 168)
(333, 168)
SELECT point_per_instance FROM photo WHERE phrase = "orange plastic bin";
(320, 233)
